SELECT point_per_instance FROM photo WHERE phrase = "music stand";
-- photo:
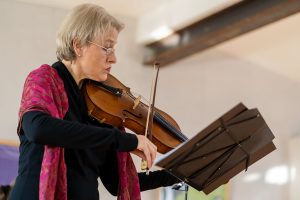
(226, 147)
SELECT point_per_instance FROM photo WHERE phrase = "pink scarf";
(129, 187)
(44, 91)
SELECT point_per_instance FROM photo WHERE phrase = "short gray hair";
(84, 23)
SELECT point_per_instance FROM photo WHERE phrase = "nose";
(112, 58)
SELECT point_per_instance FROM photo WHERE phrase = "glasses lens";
(109, 51)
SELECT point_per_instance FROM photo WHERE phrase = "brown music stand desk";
(226, 147)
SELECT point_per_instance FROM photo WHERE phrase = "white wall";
(260, 69)
(27, 38)
(295, 168)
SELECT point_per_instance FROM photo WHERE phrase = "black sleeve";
(109, 174)
(41, 128)
(156, 179)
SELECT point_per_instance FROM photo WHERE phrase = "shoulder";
(45, 74)
(44, 70)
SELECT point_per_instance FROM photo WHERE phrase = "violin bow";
(149, 123)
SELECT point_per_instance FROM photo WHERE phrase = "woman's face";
(95, 62)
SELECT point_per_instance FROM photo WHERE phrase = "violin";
(111, 102)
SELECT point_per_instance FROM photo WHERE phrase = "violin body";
(112, 103)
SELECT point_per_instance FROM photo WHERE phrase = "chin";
(102, 78)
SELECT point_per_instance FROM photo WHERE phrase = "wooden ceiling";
(229, 23)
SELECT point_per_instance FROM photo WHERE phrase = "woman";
(63, 151)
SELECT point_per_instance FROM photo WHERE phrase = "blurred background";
(214, 55)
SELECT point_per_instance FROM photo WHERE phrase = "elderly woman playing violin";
(63, 151)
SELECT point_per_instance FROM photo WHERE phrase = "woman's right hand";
(145, 150)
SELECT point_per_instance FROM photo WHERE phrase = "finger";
(152, 149)
(153, 153)
(139, 154)
(147, 153)
(149, 161)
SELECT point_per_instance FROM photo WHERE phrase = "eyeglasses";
(108, 51)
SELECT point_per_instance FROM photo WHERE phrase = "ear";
(77, 47)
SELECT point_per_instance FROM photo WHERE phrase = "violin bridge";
(136, 102)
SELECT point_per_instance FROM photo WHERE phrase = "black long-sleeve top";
(90, 150)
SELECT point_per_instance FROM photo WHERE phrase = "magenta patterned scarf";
(129, 187)
(44, 91)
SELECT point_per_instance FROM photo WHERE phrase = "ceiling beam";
(222, 26)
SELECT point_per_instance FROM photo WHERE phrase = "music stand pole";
(182, 187)
(186, 189)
